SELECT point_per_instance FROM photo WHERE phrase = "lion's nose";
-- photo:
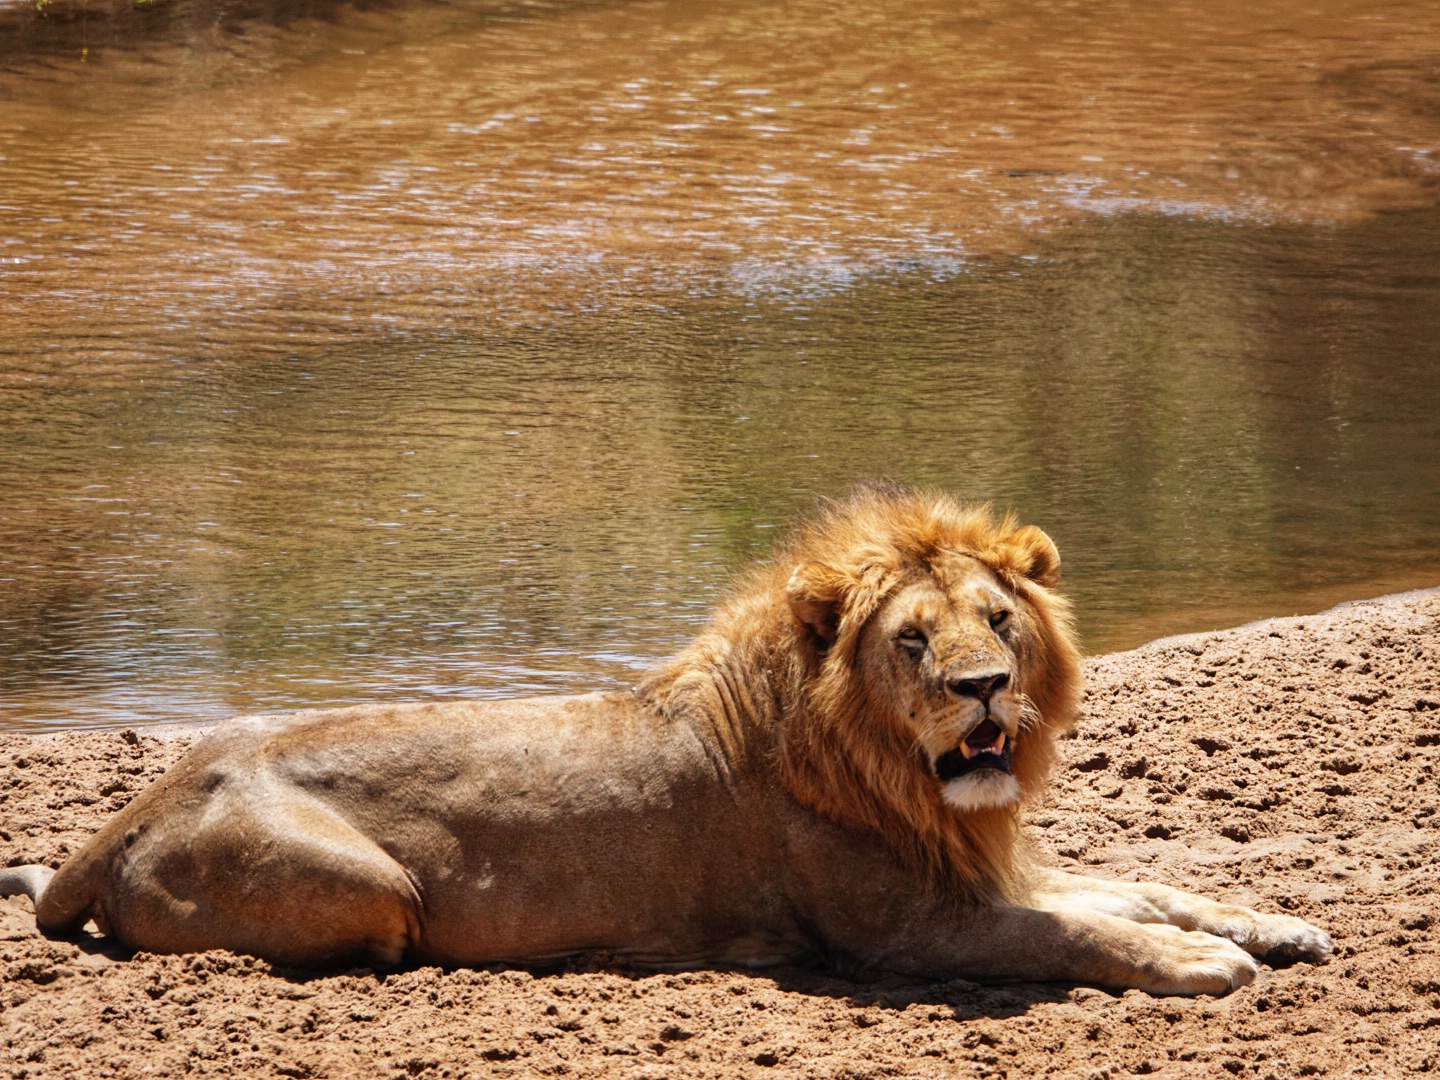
(978, 686)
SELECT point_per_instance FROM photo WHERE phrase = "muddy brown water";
(422, 349)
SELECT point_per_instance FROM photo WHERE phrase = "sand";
(1289, 764)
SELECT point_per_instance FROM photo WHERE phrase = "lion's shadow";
(954, 999)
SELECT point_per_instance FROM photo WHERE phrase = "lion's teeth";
(969, 750)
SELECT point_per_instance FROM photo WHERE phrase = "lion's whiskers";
(932, 730)
(1030, 717)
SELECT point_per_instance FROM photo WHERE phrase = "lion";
(831, 773)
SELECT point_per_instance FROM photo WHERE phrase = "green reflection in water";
(1214, 422)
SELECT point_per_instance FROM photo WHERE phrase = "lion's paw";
(1285, 939)
(1193, 962)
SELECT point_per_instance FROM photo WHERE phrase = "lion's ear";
(814, 592)
(1037, 557)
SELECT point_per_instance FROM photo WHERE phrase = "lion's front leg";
(1018, 944)
(1277, 937)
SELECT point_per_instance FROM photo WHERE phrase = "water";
(470, 348)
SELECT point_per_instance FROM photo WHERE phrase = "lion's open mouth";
(984, 748)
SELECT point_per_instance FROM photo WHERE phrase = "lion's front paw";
(1193, 962)
(1284, 939)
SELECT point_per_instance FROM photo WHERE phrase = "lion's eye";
(999, 619)
(911, 638)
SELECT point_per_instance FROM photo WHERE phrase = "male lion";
(833, 771)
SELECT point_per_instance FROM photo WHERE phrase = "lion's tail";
(30, 880)
(62, 902)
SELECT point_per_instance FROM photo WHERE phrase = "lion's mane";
(772, 693)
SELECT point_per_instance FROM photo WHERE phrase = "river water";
(425, 349)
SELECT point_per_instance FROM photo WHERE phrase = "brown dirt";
(1289, 764)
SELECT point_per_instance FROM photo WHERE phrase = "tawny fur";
(820, 776)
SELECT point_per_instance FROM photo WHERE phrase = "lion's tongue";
(985, 739)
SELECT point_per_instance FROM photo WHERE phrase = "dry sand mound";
(1290, 765)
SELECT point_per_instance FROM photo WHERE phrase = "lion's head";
(922, 667)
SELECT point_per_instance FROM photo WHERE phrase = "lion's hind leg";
(280, 877)
(1275, 937)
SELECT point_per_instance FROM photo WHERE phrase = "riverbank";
(1291, 764)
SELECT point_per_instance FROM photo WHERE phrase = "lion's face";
(932, 668)
(947, 649)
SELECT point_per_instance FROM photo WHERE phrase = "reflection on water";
(429, 165)
(468, 348)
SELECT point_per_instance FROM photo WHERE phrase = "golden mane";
(776, 686)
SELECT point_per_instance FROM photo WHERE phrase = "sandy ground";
(1289, 764)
